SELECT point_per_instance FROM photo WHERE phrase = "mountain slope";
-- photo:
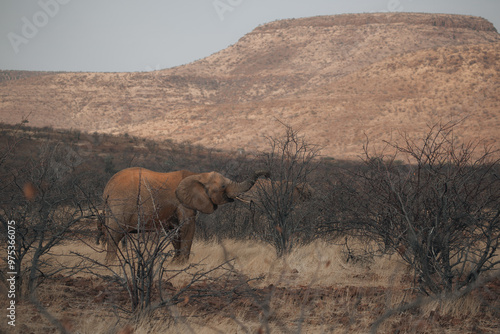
(335, 77)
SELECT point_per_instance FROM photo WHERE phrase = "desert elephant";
(164, 200)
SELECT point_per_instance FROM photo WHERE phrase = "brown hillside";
(335, 77)
(15, 75)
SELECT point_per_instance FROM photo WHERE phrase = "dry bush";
(312, 289)
(282, 211)
(291, 160)
(328, 285)
(144, 271)
(439, 211)
(44, 199)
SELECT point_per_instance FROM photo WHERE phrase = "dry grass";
(317, 264)
(312, 290)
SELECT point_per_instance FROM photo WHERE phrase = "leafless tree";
(291, 159)
(46, 201)
(440, 211)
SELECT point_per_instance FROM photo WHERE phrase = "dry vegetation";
(312, 290)
(404, 240)
(331, 282)
(334, 77)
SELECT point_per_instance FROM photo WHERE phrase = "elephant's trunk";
(237, 188)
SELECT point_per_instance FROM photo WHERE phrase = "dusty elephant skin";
(164, 200)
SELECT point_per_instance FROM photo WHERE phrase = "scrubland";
(350, 263)
(401, 238)
(312, 290)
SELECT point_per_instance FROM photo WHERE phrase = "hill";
(336, 78)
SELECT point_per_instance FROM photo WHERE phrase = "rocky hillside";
(337, 78)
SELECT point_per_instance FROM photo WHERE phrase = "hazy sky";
(133, 35)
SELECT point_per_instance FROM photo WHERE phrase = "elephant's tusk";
(243, 200)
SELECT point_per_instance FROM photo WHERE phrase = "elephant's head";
(205, 191)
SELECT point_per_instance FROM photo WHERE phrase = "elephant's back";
(124, 179)
(127, 180)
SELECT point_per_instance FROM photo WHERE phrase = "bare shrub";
(45, 200)
(440, 211)
(141, 266)
(281, 211)
(291, 160)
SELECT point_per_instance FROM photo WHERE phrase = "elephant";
(164, 200)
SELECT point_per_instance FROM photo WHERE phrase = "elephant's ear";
(192, 193)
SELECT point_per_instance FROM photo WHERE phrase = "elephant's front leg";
(184, 238)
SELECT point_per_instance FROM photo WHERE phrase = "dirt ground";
(313, 290)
